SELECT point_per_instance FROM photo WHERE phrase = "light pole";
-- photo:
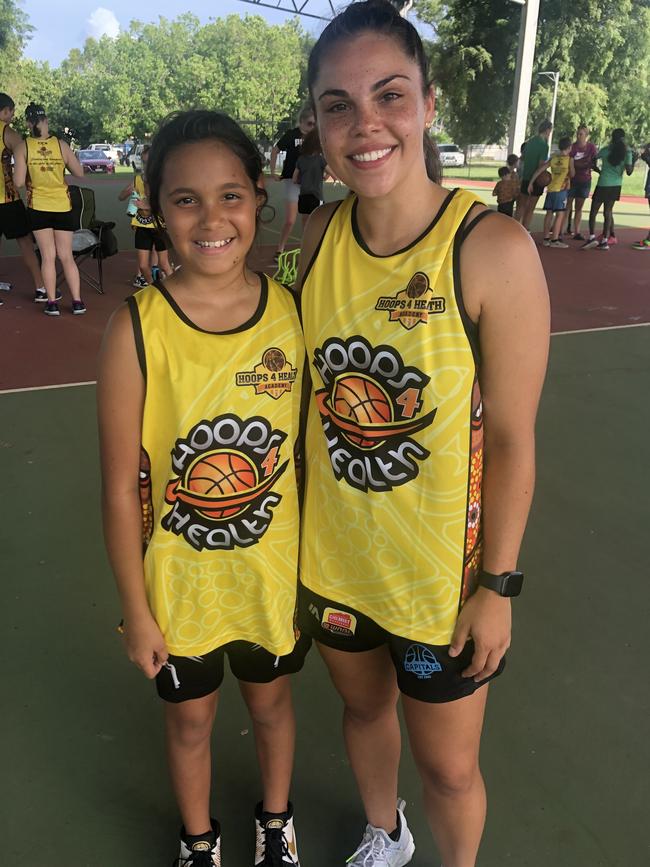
(555, 78)
(523, 72)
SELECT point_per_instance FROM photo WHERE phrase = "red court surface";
(488, 185)
(589, 290)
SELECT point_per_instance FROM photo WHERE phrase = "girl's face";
(210, 207)
(372, 113)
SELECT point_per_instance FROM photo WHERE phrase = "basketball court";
(564, 753)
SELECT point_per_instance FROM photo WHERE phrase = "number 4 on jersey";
(409, 402)
(270, 461)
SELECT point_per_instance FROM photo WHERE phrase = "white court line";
(47, 387)
(604, 328)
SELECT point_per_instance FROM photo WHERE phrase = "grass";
(488, 171)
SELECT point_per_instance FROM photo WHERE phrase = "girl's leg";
(164, 263)
(63, 241)
(274, 724)
(608, 209)
(445, 741)
(29, 258)
(290, 214)
(47, 247)
(188, 727)
(143, 264)
(556, 230)
(367, 684)
(593, 213)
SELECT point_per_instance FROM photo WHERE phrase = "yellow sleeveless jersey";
(141, 220)
(559, 169)
(46, 187)
(217, 473)
(391, 525)
(8, 191)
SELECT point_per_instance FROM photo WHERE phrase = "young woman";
(199, 404)
(41, 166)
(309, 174)
(616, 158)
(426, 320)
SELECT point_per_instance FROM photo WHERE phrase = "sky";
(55, 34)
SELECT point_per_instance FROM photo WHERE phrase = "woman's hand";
(145, 645)
(487, 618)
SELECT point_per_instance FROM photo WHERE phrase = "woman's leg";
(290, 214)
(608, 209)
(47, 247)
(143, 264)
(164, 263)
(63, 241)
(188, 727)
(593, 213)
(445, 741)
(367, 684)
(271, 710)
(577, 219)
(548, 219)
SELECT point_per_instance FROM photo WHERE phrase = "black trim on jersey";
(255, 318)
(469, 490)
(318, 246)
(136, 322)
(471, 328)
(359, 239)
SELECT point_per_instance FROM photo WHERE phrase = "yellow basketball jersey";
(141, 220)
(391, 525)
(8, 191)
(46, 188)
(559, 168)
(217, 475)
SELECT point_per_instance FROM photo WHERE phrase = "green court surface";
(565, 750)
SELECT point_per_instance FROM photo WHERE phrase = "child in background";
(513, 164)
(199, 413)
(561, 168)
(506, 191)
(149, 241)
(309, 173)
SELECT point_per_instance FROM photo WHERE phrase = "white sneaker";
(197, 852)
(275, 840)
(378, 850)
(5, 287)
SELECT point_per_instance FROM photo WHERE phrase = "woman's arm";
(120, 398)
(542, 168)
(72, 163)
(19, 150)
(505, 290)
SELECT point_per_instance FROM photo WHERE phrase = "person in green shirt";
(616, 158)
(535, 154)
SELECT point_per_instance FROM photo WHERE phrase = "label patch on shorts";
(339, 622)
(421, 662)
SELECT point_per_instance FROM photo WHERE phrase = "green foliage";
(15, 30)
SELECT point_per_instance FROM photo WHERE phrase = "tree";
(15, 30)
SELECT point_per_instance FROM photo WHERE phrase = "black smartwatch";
(506, 584)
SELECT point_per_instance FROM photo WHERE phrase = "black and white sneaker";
(139, 282)
(40, 296)
(275, 839)
(5, 287)
(203, 850)
(78, 307)
(51, 309)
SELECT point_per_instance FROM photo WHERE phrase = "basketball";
(417, 285)
(274, 359)
(364, 401)
(544, 179)
(220, 474)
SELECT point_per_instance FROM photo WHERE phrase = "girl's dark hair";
(34, 114)
(311, 144)
(6, 101)
(617, 148)
(184, 127)
(377, 16)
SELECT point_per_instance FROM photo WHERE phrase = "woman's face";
(372, 113)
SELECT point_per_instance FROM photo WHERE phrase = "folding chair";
(287, 272)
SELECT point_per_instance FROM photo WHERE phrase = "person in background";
(310, 169)
(513, 164)
(561, 168)
(290, 143)
(644, 243)
(583, 153)
(506, 191)
(40, 165)
(534, 154)
(616, 158)
(14, 224)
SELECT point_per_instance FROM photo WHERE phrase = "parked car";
(95, 161)
(107, 148)
(135, 158)
(451, 155)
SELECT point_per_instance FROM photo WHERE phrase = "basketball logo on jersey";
(473, 534)
(370, 409)
(273, 376)
(146, 503)
(413, 305)
(222, 496)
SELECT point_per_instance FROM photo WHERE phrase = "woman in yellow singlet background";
(40, 166)
(426, 321)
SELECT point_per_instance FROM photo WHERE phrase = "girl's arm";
(19, 150)
(71, 162)
(120, 396)
(126, 192)
(629, 162)
(572, 168)
(504, 289)
(295, 177)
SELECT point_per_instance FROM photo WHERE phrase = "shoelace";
(275, 847)
(372, 846)
(198, 859)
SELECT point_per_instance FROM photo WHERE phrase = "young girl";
(41, 166)
(310, 169)
(149, 240)
(616, 158)
(199, 402)
(425, 317)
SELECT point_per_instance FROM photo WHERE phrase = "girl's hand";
(145, 645)
(530, 189)
(487, 618)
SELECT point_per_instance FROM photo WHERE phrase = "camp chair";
(287, 267)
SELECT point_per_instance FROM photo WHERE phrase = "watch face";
(512, 584)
